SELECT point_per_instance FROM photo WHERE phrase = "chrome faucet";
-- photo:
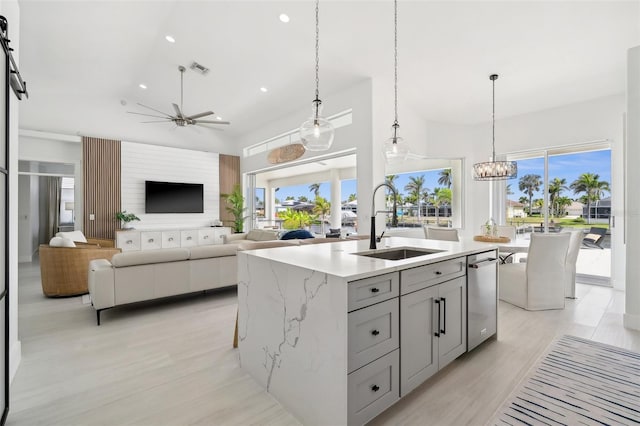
(394, 219)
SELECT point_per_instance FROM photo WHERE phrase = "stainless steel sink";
(398, 253)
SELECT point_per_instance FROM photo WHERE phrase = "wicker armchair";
(64, 270)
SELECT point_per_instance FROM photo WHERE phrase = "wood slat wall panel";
(101, 178)
(229, 166)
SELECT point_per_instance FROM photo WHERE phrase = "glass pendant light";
(495, 170)
(395, 150)
(317, 132)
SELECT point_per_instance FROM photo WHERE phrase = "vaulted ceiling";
(547, 54)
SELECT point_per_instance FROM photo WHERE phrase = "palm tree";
(562, 203)
(445, 177)
(556, 186)
(315, 188)
(416, 189)
(592, 186)
(303, 199)
(508, 191)
(352, 197)
(390, 180)
(530, 184)
(321, 208)
(440, 197)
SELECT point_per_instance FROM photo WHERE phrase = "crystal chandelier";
(317, 132)
(495, 170)
(395, 150)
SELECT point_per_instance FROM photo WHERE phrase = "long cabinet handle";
(444, 309)
(437, 332)
(484, 262)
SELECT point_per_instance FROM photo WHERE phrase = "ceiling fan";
(179, 119)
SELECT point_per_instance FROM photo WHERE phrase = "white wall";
(632, 296)
(140, 162)
(25, 244)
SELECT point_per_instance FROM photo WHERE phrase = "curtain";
(54, 193)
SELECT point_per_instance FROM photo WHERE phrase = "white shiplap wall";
(142, 162)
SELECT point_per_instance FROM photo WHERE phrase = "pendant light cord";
(181, 89)
(395, 60)
(493, 120)
(317, 54)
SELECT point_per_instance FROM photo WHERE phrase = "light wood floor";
(171, 362)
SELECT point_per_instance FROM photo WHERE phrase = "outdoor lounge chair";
(595, 238)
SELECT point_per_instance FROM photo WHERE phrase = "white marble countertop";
(338, 259)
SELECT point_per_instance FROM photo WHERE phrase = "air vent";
(200, 68)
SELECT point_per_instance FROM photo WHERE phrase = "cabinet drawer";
(425, 276)
(373, 290)
(170, 239)
(150, 240)
(373, 332)
(128, 240)
(189, 238)
(206, 237)
(373, 388)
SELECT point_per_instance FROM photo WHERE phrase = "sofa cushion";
(255, 245)
(220, 250)
(299, 234)
(61, 242)
(131, 258)
(262, 235)
(77, 236)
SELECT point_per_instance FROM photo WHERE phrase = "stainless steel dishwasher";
(482, 297)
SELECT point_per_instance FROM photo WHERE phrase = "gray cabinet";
(433, 326)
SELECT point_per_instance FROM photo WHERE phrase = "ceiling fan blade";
(202, 114)
(211, 122)
(177, 110)
(156, 110)
(149, 115)
(157, 121)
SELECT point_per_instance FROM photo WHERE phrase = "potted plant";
(125, 219)
(235, 206)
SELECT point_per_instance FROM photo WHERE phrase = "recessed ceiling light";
(142, 86)
(284, 17)
(218, 118)
(170, 39)
(264, 89)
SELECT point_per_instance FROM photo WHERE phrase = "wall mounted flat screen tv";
(173, 197)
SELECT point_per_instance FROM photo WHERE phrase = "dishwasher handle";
(483, 262)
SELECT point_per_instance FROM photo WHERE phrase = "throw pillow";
(300, 234)
(77, 236)
(61, 242)
(594, 237)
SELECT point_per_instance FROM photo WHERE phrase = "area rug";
(577, 382)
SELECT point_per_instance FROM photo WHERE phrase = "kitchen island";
(337, 337)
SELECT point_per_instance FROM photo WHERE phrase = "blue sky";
(569, 167)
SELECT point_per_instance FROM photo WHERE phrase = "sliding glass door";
(566, 189)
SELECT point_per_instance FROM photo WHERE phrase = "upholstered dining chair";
(575, 242)
(444, 234)
(507, 231)
(540, 283)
